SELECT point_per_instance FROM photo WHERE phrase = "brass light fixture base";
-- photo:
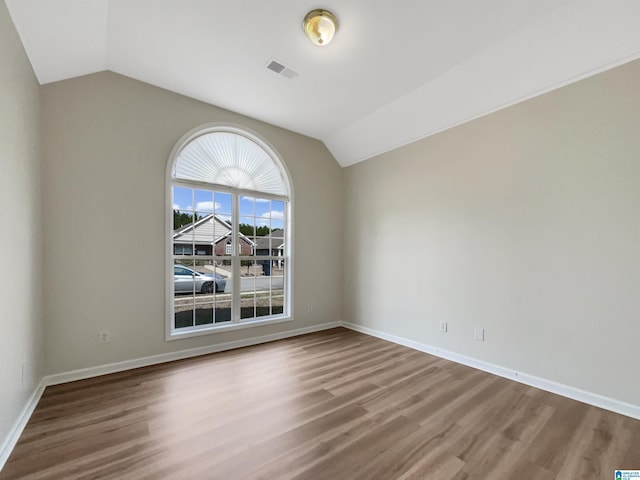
(320, 26)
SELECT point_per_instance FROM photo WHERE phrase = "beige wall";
(526, 223)
(106, 143)
(21, 240)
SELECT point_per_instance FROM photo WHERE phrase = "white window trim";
(175, 334)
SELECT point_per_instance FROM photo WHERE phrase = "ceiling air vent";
(281, 69)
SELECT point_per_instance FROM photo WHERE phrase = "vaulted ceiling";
(396, 71)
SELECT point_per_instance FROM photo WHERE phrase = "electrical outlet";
(479, 334)
(309, 308)
(23, 373)
(104, 337)
(443, 326)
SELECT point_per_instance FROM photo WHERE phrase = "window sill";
(227, 327)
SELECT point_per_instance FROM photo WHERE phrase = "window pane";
(277, 243)
(203, 201)
(247, 206)
(223, 297)
(277, 276)
(182, 198)
(263, 207)
(263, 270)
(203, 313)
(223, 205)
(204, 233)
(261, 245)
(183, 274)
(183, 315)
(204, 280)
(262, 282)
(246, 275)
(263, 303)
(222, 274)
(247, 306)
(182, 232)
(277, 305)
(277, 214)
(182, 218)
(247, 226)
(248, 284)
(245, 246)
(183, 293)
(223, 310)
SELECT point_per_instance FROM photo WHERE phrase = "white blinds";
(230, 159)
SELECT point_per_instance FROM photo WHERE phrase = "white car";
(186, 280)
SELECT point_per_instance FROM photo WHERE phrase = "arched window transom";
(226, 158)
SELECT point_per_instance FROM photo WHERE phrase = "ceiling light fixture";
(320, 26)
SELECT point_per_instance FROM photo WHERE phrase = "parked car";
(186, 280)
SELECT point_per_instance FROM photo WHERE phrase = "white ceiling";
(396, 71)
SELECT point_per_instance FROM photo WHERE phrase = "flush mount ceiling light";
(320, 26)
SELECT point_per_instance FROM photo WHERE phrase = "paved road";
(246, 285)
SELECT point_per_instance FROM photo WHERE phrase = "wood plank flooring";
(331, 405)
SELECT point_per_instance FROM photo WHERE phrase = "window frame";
(171, 333)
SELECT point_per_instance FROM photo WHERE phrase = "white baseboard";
(90, 372)
(10, 441)
(14, 434)
(590, 398)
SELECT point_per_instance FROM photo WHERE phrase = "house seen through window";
(227, 188)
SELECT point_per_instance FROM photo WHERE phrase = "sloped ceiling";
(396, 71)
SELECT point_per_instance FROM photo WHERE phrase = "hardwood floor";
(331, 405)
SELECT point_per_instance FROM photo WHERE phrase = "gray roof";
(208, 230)
(276, 237)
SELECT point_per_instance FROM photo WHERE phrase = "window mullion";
(285, 255)
(235, 259)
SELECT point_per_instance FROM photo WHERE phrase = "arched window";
(228, 233)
